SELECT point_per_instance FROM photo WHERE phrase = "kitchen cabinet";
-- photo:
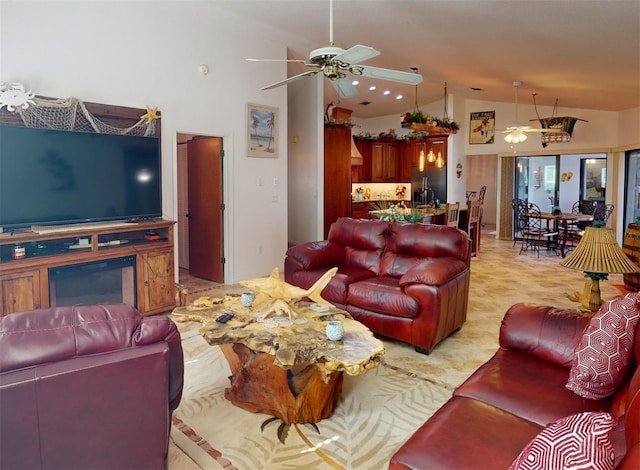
(411, 154)
(385, 161)
(337, 174)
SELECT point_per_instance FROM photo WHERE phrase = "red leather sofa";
(404, 281)
(507, 402)
(87, 387)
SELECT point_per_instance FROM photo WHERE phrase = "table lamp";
(598, 254)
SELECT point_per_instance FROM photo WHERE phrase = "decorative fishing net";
(71, 114)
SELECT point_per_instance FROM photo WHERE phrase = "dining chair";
(481, 194)
(534, 233)
(471, 195)
(518, 219)
(472, 226)
(602, 213)
(452, 213)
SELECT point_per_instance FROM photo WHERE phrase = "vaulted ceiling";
(584, 53)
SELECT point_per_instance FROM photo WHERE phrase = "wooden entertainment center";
(25, 282)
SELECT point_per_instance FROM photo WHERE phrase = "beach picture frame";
(263, 126)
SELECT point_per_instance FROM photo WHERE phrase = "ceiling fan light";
(515, 137)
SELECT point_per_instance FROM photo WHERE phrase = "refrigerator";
(428, 185)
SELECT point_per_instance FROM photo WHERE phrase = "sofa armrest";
(313, 254)
(157, 329)
(548, 333)
(433, 271)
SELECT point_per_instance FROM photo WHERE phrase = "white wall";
(147, 53)
(306, 153)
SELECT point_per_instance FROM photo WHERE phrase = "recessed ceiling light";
(476, 88)
(365, 103)
(355, 82)
(386, 92)
(399, 97)
(372, 87)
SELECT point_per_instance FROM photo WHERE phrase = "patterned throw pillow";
(604, 353)
(579, 441)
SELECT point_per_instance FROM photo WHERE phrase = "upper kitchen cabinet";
(411, 153)
(385, 161)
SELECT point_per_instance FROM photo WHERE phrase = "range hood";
(342, 115)
(356, 157)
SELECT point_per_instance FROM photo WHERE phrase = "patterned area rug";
(380, 409)
(377, 412)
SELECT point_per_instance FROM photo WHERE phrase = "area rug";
(377, 412)
(380, 409)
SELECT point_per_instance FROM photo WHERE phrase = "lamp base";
(594, 298)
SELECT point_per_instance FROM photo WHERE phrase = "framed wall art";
(262, 131)
(482, 127)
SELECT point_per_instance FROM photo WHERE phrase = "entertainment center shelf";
(25, 282)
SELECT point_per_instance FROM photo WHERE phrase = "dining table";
(559, 222)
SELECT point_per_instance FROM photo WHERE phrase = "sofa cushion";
(605, 352)
(336, 291)
(363, 240)
(466, 434)
(535, 389)
(382, 295)
(579, 441)
(428, 241)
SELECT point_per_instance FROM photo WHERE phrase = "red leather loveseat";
(87, 387)
(404, 281)
(510, 399)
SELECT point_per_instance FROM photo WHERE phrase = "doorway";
(200, 206)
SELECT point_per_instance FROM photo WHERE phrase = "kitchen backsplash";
(381, 191)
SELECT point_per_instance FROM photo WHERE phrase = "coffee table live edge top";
(294, 345)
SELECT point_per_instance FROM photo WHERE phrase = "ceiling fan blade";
(344, 87)
(299, 61)
(308, 73)
(357, 54)
(550, 131)
(388, 74)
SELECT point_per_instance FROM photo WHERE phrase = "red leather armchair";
(404, 281)
(87, 387)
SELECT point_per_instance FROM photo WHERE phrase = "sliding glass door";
(536, 181)
(632, 193)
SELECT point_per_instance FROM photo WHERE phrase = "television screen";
(55, 177)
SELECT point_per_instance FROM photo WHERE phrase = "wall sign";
(482, 127)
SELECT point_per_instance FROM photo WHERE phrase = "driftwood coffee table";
(292, 372)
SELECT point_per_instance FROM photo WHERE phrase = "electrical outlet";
(274, 198)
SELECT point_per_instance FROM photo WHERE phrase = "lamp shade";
(598, 252)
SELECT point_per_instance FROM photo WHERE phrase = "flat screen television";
(50, 177)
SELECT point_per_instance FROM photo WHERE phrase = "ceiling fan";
(516, 132)
(334, 62)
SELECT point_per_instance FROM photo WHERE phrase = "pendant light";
(431, 157)
(439, 161)
(421, 160)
